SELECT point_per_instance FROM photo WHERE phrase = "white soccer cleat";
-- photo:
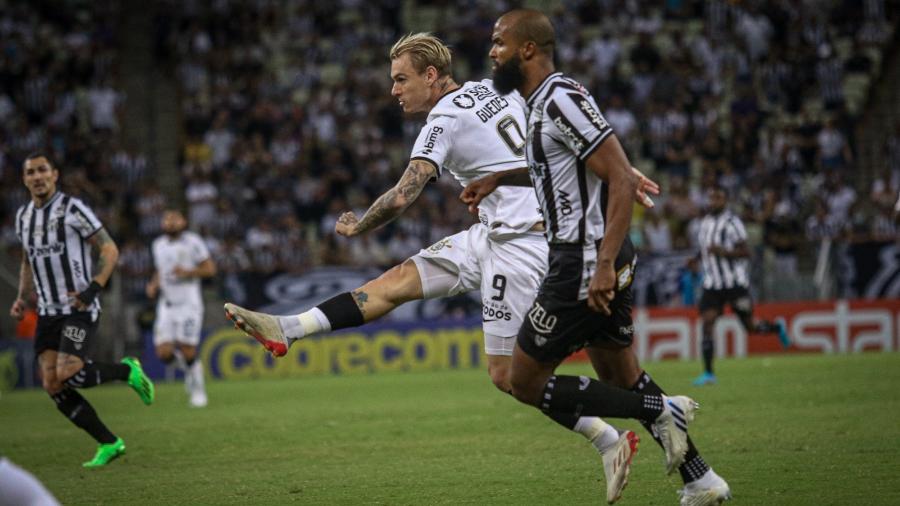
(617, 464)
(198, 399)
(709, 490)
(672, 426)
(260, 326)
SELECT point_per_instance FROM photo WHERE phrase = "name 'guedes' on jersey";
(472, 132)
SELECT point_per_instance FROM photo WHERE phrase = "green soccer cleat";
(139, 381)
(106, 453)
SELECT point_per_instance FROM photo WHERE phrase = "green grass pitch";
(795, 430)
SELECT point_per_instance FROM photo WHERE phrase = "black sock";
(342, 311)
(77, 409)
(694, 467)
(582, 396)
(97, 373)
(709, 349)
(566, 420)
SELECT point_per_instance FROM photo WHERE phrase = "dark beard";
(508, 76)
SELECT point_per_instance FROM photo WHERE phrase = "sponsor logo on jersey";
(464, 101)
(431, 139)
(490, 109)
(541, 320)
(492, 312)
(46, 251)
(480, 91)
(592, 113)
(443, 243)
(577, 145)
(540, 340)
(565, 205)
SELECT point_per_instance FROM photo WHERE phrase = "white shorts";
(180, 324)
(508, 272)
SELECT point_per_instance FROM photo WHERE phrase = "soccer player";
(471, 131)
(585, 190)
(58, 233)
(181, 259)
(726, 279)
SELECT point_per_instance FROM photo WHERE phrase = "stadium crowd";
(288, 119)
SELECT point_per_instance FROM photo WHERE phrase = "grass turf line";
(782, 430)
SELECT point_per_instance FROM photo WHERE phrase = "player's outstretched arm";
(477, 190)
(26, 289)
(392, 203)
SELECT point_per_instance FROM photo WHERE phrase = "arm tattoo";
(394, 201)
(361, 298)
(26, 280)
(100, 240)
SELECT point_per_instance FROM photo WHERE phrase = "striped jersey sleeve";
(578, 122)
(82, 219)
(736, 231)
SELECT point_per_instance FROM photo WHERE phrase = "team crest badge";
(464, 100)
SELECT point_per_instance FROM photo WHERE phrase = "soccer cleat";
(617, 464)
(671, 427)
(139, 381)
(709, 490)
(781, 329)
(198, 399)
(260, 326)
(706, 378)
(106, 453)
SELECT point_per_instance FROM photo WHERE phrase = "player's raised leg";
(369, 302)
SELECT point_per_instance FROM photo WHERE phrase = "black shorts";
(72, 334)
(558, 324)
(738, 298)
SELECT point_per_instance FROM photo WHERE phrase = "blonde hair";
(425, 50)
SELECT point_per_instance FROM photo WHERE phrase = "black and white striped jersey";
(564, 128)
(55, 239)
(724, 230)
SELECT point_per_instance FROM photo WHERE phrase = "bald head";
(529, 25)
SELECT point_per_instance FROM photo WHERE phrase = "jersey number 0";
(511, 134)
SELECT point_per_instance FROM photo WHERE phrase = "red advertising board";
(814, 327)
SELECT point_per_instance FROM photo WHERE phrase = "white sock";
(180, 361)
(601, 434)
(304, 324)
(198, 382)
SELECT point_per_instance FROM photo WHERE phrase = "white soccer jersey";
(724, 230)
(55, 238)
(472, 132)
(564, 128)
(186, 251)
